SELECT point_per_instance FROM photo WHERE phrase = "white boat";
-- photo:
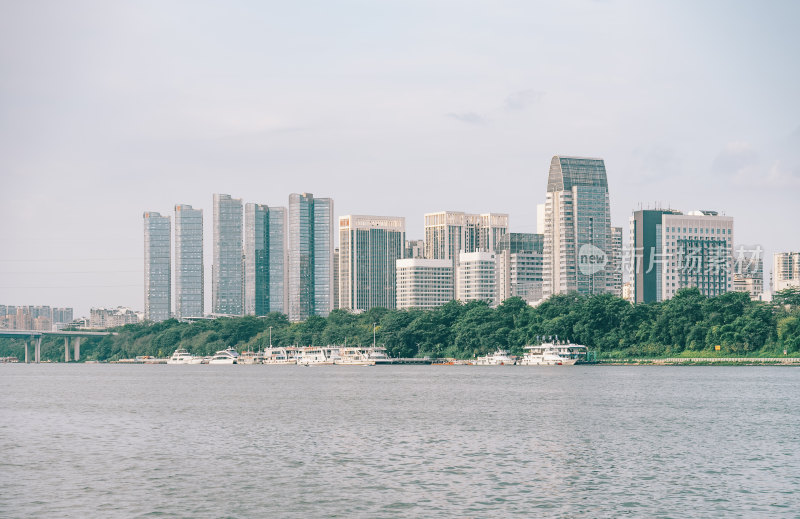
(498, 358)
(378, 355)
(250, 357)
(312, 356)
(229, 356)
(550, 354)
(277, 356)
(181, 356)
(353, 357)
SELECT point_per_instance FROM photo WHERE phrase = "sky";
(109, 109)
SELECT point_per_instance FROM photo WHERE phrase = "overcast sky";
(109, 109)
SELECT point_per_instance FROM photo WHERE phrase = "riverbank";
(703, 361)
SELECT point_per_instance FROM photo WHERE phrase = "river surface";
(400, 441)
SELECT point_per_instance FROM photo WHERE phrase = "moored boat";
(549, 354)
(498, 358)
(229, 356)
(181, 356)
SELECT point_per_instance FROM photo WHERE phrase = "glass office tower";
(157, 281)
(226, 272)
(369, 246)
(189, 293)
(264, 259)
(310, 256)
(577, 237)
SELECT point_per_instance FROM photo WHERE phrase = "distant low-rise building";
(748, 271)
(112, 317)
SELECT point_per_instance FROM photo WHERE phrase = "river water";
(400, 441)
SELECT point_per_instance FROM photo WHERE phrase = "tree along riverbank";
(688, 325)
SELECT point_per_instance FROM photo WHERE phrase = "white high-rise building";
(785, 270)
(519, 267)
(189, 272)
(424, 283)
(369, 246)
(447, 233)
(614, 265)
(577, 237)
(476, 277)
(157, 271)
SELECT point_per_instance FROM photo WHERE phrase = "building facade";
(672, 251)
(189, 271)
(227, 279)
(519, 261)
(369, 246)
(748, 271)
(447, 233)
(476, 277)
(415, 249)
(111, 317)
(264, 259)
(310, 253)
(577, 237)
(614, 265)
(424, 283)
(785, 270)
(157, 268)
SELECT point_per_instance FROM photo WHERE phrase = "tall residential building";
(424, 283)
(256, 259)
(673, 251)
(614, 265)
(62, 315)
(111, 317)
(785, 270)
(227, 279)
(519, 266)
(447, 233)
(476, 277)
(189, 271)
(577, 238)
(748, 271)
(369, 246)
(157, 279)
(264, 259)
(310, 256)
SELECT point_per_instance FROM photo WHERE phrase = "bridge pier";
(77, 348)
(26, 353)
(66, 349)
(38, 349)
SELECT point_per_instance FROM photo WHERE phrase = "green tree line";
(687, 323)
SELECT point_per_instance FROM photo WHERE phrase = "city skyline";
(414, 104)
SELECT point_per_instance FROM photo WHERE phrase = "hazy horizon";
(111, 109)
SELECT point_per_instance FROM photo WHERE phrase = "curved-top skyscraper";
(577, 238)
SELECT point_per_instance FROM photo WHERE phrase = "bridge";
(35, 337)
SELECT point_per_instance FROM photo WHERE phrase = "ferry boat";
(312, 356)
(277, 356)
(378, 355)
(550, 354)
(250, 357)
(181, 356)
(353, 357)
(229, 356)
(498, 358)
